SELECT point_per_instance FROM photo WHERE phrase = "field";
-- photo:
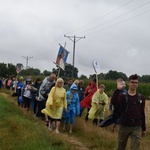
(20, 130)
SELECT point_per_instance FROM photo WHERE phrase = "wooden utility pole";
(74, 39)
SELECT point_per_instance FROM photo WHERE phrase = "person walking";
(35, 94)
(86, 102)
(114, 99)
(132, 119)
(44, 90)
(19, 89)
(55, 104)
(26, 93)
(99, 101)
(73, 106)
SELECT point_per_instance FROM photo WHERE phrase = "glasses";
(134, 82)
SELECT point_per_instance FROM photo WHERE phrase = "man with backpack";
(44, 90)
(114, 99)
(132, 118)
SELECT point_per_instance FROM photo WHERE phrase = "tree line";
(9, 69)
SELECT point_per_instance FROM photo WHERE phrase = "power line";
(115, 17)
(121, 22)
(41, 50)
(102, 16)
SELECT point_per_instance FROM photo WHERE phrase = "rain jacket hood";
(74, 87)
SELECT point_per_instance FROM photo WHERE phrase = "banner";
(62, 57)
(96, 66)
(19, 67)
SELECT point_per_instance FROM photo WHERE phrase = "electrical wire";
(115, 18)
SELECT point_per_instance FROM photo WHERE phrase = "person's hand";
(51, 106)
(71, 96)
(111, 111)
(29, 87)
(65, 109)
(143, 133)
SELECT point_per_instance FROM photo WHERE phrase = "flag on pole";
(96, 69)
(96, 66)
(62, 57)
(19, 67)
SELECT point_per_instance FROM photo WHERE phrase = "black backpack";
(117, 112)
(139, 101)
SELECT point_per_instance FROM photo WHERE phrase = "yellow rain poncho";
(102, 99)
(56, 99)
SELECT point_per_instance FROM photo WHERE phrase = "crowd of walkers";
(59, 102)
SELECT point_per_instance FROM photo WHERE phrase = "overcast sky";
(116, 32)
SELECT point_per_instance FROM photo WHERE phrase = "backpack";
(46, 89)
(117, 112)
(128, 119)
(139, 101)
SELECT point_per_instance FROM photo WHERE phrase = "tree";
(83, 77)
(3, 70)
(11, 70)
(145, 78)
(67, 73)
(101, 76)
(30, 71)
(113, 75)
(46, 73)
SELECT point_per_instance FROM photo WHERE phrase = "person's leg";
(86, 117)
(18, 100)
(66, 120)
(57, 125)
(28, 103)
(135, 138)
(25, 102)
(50, 121)
(41, 105)
(113, 127)
(123, 135)
(72, 118)
(95, 121)
(81, 110)
(35, 106)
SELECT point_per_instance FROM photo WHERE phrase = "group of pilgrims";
(58, 102)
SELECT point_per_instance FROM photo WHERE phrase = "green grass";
(19, 132)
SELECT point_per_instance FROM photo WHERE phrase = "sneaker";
(50, 126)
(70, 131)
(57, 131)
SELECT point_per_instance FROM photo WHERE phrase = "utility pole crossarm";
(74, 39)
(27, 59)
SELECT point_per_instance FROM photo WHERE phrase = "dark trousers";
(26, 102)
(35, 106)
(41, 105)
